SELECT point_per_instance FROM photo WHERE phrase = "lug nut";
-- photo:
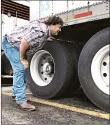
(45, 78)
(104, 74)
(104, 63)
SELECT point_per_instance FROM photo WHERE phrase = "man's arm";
(24, 47)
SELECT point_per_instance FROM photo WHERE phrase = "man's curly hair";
(53, 20)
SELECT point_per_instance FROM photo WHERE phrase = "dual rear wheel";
(53, 70)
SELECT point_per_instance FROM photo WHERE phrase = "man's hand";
(25, 63)
(51, 39)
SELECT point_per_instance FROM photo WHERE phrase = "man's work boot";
(26, 106)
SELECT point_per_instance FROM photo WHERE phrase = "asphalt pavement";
(74, 110)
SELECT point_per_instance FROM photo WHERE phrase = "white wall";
(34, 10)
(10, 23)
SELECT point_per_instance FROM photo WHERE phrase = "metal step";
(6, 76)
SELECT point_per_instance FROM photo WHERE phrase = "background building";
(14, 14)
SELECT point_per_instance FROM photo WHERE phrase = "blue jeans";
(19, 87)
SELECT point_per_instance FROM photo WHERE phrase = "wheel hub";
(100, 69)
(42, 68)
(47, 68)
(105, 69)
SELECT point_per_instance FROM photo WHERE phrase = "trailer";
(79, 57)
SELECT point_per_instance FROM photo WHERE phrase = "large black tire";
(96, 43)
(65, 76)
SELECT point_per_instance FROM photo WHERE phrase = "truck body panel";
(89, 12)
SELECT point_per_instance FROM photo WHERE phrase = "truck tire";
(51, 71)
(93, 69)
